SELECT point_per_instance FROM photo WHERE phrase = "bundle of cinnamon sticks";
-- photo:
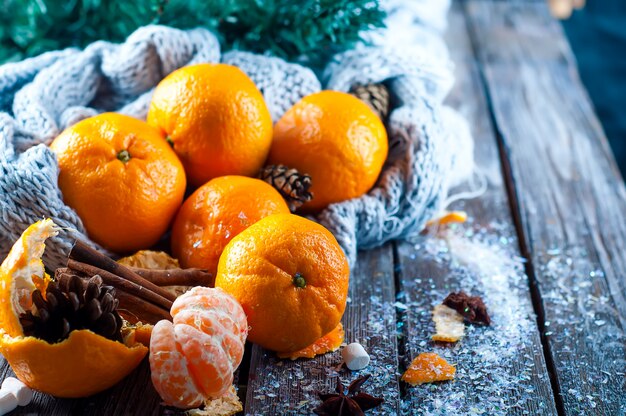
(141, 294)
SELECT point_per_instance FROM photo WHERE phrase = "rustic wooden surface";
(369, 319)
(569, 200)
(422, 277)
(554, 196)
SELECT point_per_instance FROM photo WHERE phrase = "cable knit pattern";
(40, 97)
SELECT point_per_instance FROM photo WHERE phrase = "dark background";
(597, 34)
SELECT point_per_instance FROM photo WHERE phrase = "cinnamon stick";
(176, 277)
(87, 255)
(135, 309)
(121, 284)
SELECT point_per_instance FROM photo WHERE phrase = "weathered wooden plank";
(570, 199)
(289, 387)
(500, 369)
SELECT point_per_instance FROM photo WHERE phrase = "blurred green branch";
(312, 29)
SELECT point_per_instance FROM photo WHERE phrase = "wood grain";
(288, 387)
(425, 280)
(569, 200)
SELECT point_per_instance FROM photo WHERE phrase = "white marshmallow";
(355, 356)
(20, 390)
(8, 402)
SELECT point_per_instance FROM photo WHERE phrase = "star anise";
(352, 404)
(472, 308)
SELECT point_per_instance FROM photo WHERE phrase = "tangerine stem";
(298, 280)
(123, 155)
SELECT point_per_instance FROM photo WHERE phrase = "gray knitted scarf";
(429, 145)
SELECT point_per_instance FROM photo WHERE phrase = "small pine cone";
(73, 303)
(290, 183)
(374, 95)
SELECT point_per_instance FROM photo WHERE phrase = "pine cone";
(290, 183)
(73, 303)
(374, 95)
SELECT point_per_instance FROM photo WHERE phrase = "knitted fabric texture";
(41, 96)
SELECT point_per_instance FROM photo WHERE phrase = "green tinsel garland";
(289, 29)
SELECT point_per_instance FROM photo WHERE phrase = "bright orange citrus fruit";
(81, 365)
(215, 118)
(336, 139)
(122, 178)
(291, 277)
(193, 358)
(218, 211)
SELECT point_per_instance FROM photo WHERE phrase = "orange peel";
(448, 217)
(81, 365)
(428, 367)
(328, 343)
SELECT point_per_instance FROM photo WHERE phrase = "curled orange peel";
(328, 343)
(81, 365)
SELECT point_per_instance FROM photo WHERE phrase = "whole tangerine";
(218, 211)
(291, 277)
(336, 139)
(122, 178)
(216, 119)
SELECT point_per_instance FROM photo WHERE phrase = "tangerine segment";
(83, 364)
(214, 300)
(427, 368)
(21, 273)
(328, 343)
(209, 364)
(291, 277)
(169, 369)
(216, 324)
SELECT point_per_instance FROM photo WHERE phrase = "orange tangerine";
(336, 139)
(291, 277)
(215, 118)
(193, 359)
(215, 213)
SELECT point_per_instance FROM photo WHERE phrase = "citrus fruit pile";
(188, 176)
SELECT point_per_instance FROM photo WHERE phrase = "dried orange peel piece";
(449, 324)
(447, 217)
(328, 343)
(428, 367)
(158, 260)
(149, 259)
(227, 405)
(81, 365)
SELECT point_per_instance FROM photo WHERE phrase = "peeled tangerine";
(81, 365)
(193, 359)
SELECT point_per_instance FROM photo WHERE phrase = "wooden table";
(555, 198)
